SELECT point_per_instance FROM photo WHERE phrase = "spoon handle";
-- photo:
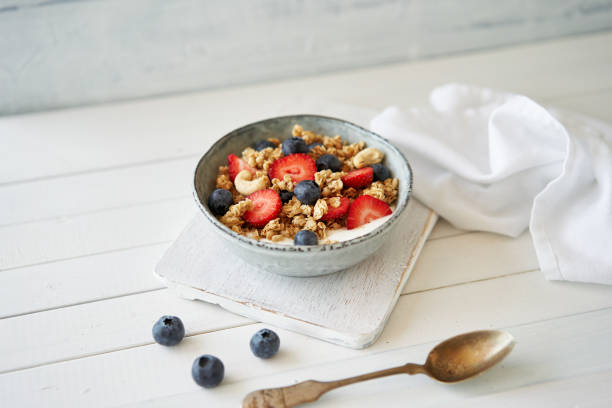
(308, 391)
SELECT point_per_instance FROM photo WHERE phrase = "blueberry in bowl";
(306, 237)
(294, 145)
(328, 161)
(307, 191)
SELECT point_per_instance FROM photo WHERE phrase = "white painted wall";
(59, 53)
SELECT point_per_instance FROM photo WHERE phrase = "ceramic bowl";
(290, 260)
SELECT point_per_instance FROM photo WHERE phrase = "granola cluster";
(294, 215)
(330, 145)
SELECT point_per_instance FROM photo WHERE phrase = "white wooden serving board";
(349, 308)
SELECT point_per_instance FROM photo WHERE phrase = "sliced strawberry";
(235, 165)
(337, 212)
(266, 207)
(365, 209)
(358, 178)
(298, 166)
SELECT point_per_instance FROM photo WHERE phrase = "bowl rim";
(303, 248)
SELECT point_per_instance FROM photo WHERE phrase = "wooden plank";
(546, 350)
(68, 237)
(443, 230)
(79, 280)
(470, 257)
(591, 390)
(56, 143)
(596, 104)
(103, 190)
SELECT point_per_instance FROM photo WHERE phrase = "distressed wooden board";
(349, 308)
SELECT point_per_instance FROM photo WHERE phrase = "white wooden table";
(90, 198)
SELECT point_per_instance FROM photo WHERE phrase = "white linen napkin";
(499, 162)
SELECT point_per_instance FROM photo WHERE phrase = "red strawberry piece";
(266, 207)
(337, 212)
(298, 166)
(235, 165)
(358, 178)
(365, 209)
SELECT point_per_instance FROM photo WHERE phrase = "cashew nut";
(367, 157)
(246, 186)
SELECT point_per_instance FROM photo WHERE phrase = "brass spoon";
(453, 360)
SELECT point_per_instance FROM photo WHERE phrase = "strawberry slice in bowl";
(266, 207)
(366, 209)
(299, 166)
(235, 165)
(358, 178)
(333, 213)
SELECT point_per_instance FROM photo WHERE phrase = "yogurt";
(344, 234)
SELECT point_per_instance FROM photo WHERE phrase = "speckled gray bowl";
(303, 261)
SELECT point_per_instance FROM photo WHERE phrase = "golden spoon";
(455, 359)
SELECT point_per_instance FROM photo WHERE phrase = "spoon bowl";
(464, 356)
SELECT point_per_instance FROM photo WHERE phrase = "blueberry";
(294, 145)
(219, 201)
(265, 343)
(312, 145)
(168, 331)
(381, 172)
(207, 371)
(263, 144)
(307, 191)
(285, 196)
(328, 161)
(305, 237)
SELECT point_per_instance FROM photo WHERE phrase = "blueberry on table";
(207, 371)
(328, 162)
(263, 144)
(219, 201)
(307, 191)
(381, 172)
(285, 195)
(168, 331)
(305, 237)
(313, 145)
(265, 343)
(294, 145)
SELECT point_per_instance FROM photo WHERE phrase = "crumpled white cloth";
(500, 162)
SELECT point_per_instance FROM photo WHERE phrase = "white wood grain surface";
(90, 199)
